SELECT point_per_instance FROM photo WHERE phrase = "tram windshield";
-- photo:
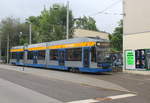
(102, 54)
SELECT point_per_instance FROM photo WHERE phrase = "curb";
(146, 73)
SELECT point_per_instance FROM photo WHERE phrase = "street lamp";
(67, 26)
(30, 32)
(24, 57)
(20, 34)
(23, 34)
(8, 48)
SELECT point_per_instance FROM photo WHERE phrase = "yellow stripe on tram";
(16, 50)
(36, 48)
(72, 45)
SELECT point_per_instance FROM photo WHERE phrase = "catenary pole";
(30, 33)
(67, 27)
(7, 49)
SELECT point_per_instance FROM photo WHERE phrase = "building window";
(74, 54)
(30, 55)
(41, 55)
(53, 54)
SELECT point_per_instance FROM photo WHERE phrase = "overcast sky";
(25, 8)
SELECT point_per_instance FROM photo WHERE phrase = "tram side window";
(30, 55)
(41, 55)
(13, 55)
(21, 54)
(53, 54)
(74, 54)
(93, 54)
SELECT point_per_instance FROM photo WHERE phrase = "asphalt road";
(65, 91)
(136, 83)
(57, 89)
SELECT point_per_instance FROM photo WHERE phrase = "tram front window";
(103, 58)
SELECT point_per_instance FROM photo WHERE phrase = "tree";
(35, 21)
(117, 38)
(11, 27)
(51, 24)
(87, 23)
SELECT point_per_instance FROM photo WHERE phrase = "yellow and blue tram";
(75, 55)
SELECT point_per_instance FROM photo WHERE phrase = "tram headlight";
(98, 44)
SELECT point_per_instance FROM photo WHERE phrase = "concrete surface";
(71, 77)
(138, 72)
(67, 91)
(140, 84)
(13, 93)
(53, 88)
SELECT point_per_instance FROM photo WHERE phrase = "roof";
(37, 45)
(89, 33)
(76, 40)
(17, 47)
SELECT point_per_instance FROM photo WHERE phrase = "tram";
(75, 55)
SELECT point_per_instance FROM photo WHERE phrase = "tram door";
(86, 57)
(61, 57)
(35, 56)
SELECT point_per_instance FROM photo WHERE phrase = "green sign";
(130, 56)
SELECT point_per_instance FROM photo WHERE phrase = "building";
(136, 39)
(92, 34)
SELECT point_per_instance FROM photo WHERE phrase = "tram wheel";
(74, 70)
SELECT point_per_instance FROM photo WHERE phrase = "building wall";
(136, 27)
(137, 41)
(137, 16)
(88, 33)
(136, 24)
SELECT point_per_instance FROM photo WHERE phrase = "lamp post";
(30, 33)
(67, 26)
(24, 56)
(20, 34)
(23, 34)
(8, 49)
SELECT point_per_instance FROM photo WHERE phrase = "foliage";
(117, 38)
(87, 23)
(51, 24)
(11, 27)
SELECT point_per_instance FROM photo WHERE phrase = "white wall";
(137, 16)
(89, 33)
(137, 41)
